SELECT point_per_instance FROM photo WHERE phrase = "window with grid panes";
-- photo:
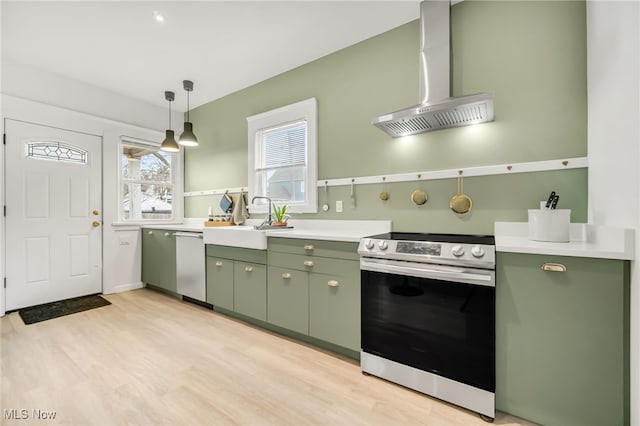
(282, 157)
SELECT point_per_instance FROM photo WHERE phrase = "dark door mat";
(61, 308)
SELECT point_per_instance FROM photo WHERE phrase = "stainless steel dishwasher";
(190, 265)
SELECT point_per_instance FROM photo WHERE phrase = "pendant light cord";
(169, 115)
(188, 105)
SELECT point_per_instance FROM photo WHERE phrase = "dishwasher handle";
(188, 234)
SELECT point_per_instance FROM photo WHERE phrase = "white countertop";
(585, 241)
(189, 225)
(333, 230)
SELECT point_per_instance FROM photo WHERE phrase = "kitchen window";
(147, 182)
(282, 156)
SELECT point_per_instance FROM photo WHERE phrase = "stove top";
(447, 249)
(436, 238)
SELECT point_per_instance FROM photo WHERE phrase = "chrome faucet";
(268, 221)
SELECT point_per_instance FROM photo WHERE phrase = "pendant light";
(169, 143)
(188, 138)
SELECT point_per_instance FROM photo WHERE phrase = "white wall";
(613, 72)
(34, 84)
(48, 99)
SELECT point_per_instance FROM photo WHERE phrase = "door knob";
(96, 213)
(95, 223)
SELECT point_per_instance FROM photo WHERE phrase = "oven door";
(438, 319)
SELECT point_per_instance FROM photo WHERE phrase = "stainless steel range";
(428, 315)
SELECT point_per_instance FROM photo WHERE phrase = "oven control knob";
(369, 244)
(383, 245)
(477, 251)
(457, 251)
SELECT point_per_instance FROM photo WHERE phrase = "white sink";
(236, 236)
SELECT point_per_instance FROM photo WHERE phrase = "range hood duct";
(437, 109)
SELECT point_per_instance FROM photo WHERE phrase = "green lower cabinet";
(159, 258)
(220, 282)
(250, 289)
(334, 307)
(288, 299)
(314, 289)
(562, 345)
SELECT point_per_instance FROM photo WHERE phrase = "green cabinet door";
(220, 282)
(250, 289)
(334, 305)
(562, 340)
(159, 258)
(288, 299)
(320, 248)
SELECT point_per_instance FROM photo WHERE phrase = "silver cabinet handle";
(333, 283)
(218, 263)
(286, 275)
(150, 232)
(309, 247)
(308, 263)
(248, 268)
(554, 267)
(188, 234)
(166, 234)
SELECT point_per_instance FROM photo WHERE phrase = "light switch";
(338, 206)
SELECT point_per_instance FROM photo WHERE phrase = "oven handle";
(437, 272)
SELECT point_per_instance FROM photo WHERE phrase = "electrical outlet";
(339, 206)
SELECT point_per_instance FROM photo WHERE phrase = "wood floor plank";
(150, 359)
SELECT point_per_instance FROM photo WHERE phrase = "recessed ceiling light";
(158, 16)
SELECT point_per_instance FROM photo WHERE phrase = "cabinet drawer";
(288, 299)
(335, 249)
(237, 253)
(250, 289)
(315, 264)
(334, 309)
(220, 282)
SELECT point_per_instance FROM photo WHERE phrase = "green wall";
(531, 55)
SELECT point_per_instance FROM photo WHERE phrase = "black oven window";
(438, 326)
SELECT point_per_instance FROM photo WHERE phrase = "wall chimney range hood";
(437, 109)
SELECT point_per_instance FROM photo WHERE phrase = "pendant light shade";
(188, 138)
(169, 143)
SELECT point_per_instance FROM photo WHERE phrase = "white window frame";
(304, 110)
(176, 182)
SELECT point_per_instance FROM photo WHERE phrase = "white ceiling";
(222, 46)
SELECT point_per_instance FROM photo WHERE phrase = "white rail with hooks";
(215, 192)
(500, 169)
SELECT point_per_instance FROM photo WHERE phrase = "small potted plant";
(280, 215)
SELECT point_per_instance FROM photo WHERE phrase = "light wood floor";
(149, 359)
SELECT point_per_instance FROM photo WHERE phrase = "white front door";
(53, 214)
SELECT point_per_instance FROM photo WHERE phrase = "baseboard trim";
(122, 287)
